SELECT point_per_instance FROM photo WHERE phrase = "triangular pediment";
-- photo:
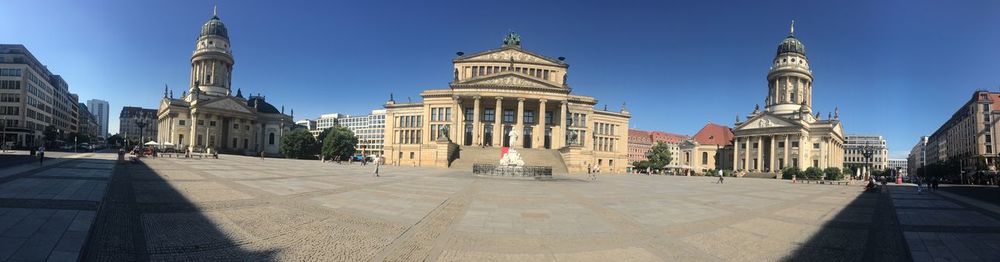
(509, 54)
(228, 103)
(509, 79)
(765, 121)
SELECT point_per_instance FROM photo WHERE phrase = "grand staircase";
(468, 155)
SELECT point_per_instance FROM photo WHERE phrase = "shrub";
(833, 173)
(813, 173)
(791, 171)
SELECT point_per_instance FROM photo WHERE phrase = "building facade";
(786, 133)
(709, 149)
(899, 166)
(369, 129)
(640, 142)
(502, 92)
(32, 98)
(130, 120)
(854, 149)
(99, 108)
(968, 136)
(918, 156)
(88, 124)
(208, 115)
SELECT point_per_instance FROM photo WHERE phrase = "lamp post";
(867, 151)
(141, 123)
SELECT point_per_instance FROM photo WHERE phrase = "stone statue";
(456, 74)
(513, 137)
(444, 133)
(573, 137)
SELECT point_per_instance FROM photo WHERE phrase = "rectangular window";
(180, 122)
(447, 114)
(815, 145)
(529, 117)
(236, 126)
(201, 123)
(795, 144)
(469, 114)
(508, 116)
(548, 117)
(989, 149)
(434, 114)
(211, 123)
(815, 163)
(489, 115)
(781, 144)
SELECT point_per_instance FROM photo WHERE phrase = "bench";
(826, 182)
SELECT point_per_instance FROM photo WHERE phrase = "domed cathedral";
(787, 133)
(499, 92)
(208, 117)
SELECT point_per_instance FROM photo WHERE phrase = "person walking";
(917, 181)
(935, 183)
(376, 168)
(41, 155)
(720, 178)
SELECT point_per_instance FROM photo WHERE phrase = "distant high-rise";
(99, 108)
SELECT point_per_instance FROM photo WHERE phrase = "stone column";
(760, 154)
(773, 154)
(498, 123)
(519, 123)
(428, 135)
(746, 156)
(194, 131)
(539, 131)
(736, 154)
(455, 132)
(561, 138)
(476, 136)
(788, 148)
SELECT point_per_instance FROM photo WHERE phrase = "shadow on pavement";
(866, 229)
(173, 229)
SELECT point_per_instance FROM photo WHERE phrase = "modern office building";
(854, 148)
(502, 94)
(99, 108)
(130, 120)
(307, 124)
(899, 166)
(209, 115)
(918, 156)
(369, 129)
(968, 136)
(31, 99)
(787, 133)
(88, 124)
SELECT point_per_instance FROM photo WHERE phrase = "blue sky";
(895, 68)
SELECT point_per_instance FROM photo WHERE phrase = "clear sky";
(898, 68)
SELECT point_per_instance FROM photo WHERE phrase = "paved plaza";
(245, 208)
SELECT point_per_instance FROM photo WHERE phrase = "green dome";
(214, 27)
(791, 45)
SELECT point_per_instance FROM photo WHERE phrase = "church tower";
(789, 81)
(212, 61)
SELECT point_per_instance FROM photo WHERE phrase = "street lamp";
(867, 151)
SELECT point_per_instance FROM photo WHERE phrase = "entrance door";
(504, 137)
(548, 138)
(488, 135)
(527, 137)
(468, 135)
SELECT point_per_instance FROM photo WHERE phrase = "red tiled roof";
(713, 134)
(667, 137)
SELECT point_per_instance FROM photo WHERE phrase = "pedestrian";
(720, 177)
(935, 181)
(41, 155)
(589, 169)
(376, 168)
(261, 155)
(917, 181)
(883, 180)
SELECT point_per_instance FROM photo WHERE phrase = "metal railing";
(512, 171)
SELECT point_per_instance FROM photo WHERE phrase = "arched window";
(270, 139)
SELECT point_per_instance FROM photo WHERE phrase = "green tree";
(641, 165)
(299, 143)
(115, 140)
(813, 173)
(833, 173)
(789, 172)
(659, 156)
(322, 135)
(340, 141)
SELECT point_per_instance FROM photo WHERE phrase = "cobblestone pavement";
(939, 228)
(244, 208)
